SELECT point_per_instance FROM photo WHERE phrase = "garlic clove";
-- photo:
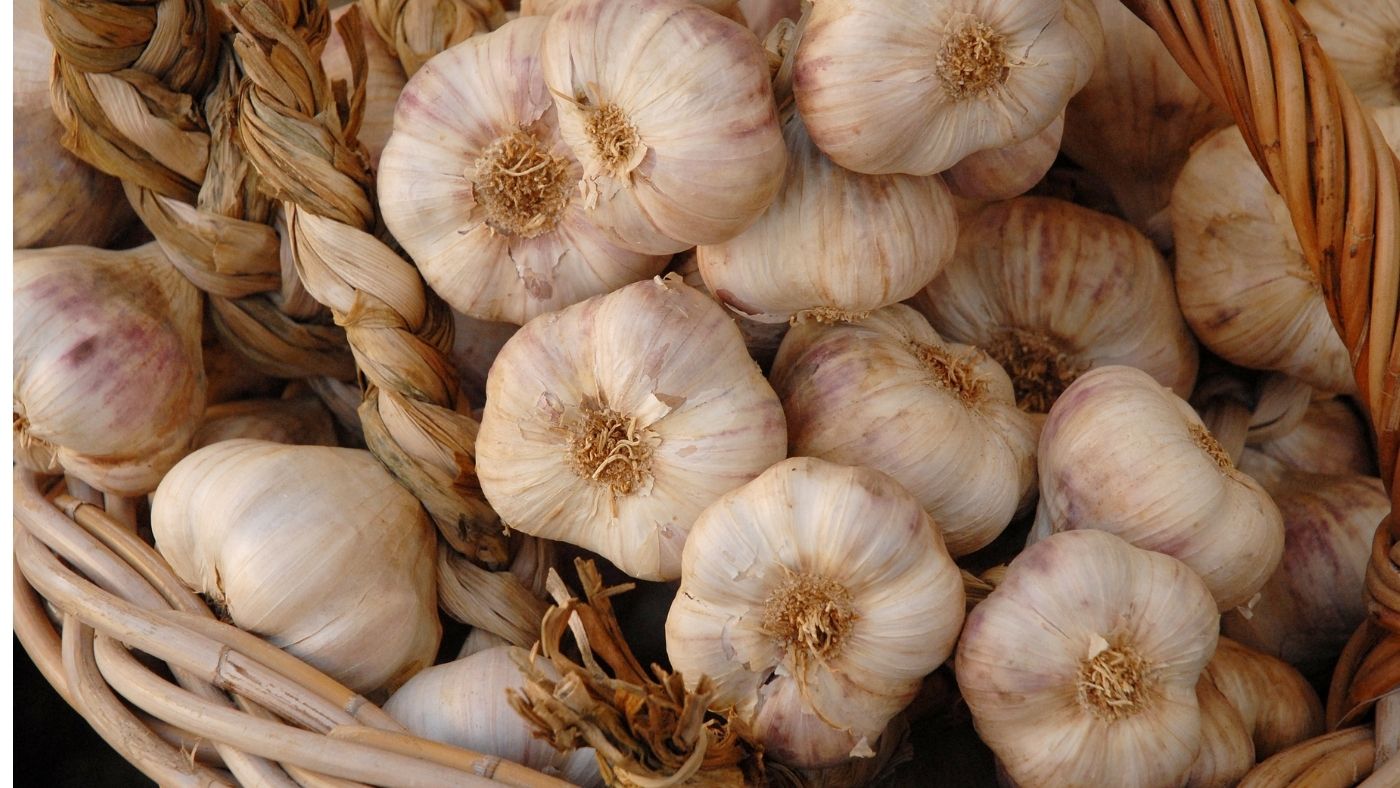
(108, 376)
(463, 703)
(1002, 173)
(1360, 38)
(1081, 667)
(915, 86)
(479, 188)
(384, 81)
(1120, 453)
(1050, 290)
(827, 578)
(319, 550)
(669, 162)
(941, 418)
(611, 424)
(799, 254)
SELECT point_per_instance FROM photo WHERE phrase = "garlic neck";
(521, 185)
(1041, 366)
(973, 60)
(610, 448)
(1114, 682)
(811, 616)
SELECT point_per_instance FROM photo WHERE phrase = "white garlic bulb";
(384, 81)
(762, 339)
(1051, 290)
(297, 420)
(480, 189)
(59, 199)
(463, 703)
(1331, 438)
(1081, 667)
(1360, 38)
(669, 108)
(611, 424)
(108, 375)
(888, 393)
(834, 241)
(915, 86)
(319, 550)
(816, 598)
(1120, 453)
(1003, 173)
(1244, 285)
(1315, 600)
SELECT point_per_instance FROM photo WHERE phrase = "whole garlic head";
(480, 189)
(1244, 285)
(815, 598)
(463, 703)
(317, 549)
(1050, 290)
(915, 86)
(1120, 453)
(1362, 40)
(888, 393)
(1081, 667)
(834, 241)
(611, 424)
(669, 108)
(108, 373)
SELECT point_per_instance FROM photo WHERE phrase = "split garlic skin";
(915, 86)
(1120, 453)
(669, 108)
(1362, 40)
(816, 598)
(480, 189)
(317, 549)
(1051, 289)
(888, 393)
(833, 240)
(1243, 283)
(611, 424)
(1081, 667)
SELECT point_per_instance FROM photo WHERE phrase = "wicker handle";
(1324, 154)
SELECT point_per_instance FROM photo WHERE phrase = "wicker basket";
(210, 704)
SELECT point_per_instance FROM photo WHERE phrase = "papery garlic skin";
(463, 703)
(669, 108)
(1278, 706)
(1243, 283)
(58, 198)
(1331, 438)
(888, 393)
(108, 374)
(1362, 41)
(915, 86)
(1313, 603)
(319, 550)
(833, 240)
(1050, 290)
(762, 16)
(1081, 667)
(816, 598)
(1120, 453)
(480, 189)
(611, 424)
(384, 81)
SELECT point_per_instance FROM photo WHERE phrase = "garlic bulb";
(611, 424)
(888, 393)
(319, 550)
(1120, 453)
(815, 598)
(1051, 290)
(479, 188)
(1314, 601)
(384, 81)
(475, 344)
(463, 703)
(915, 86)
(1331, 438)
(801, 253)
(1134, 122)
(668, 107)
(1003, 173)
(59, 199)
(108, 377)
(1081, 667)
(1227, 747)
(1360, 38)
(762, 339)
(1241, 277)
(299, 420)
(1277, 705)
